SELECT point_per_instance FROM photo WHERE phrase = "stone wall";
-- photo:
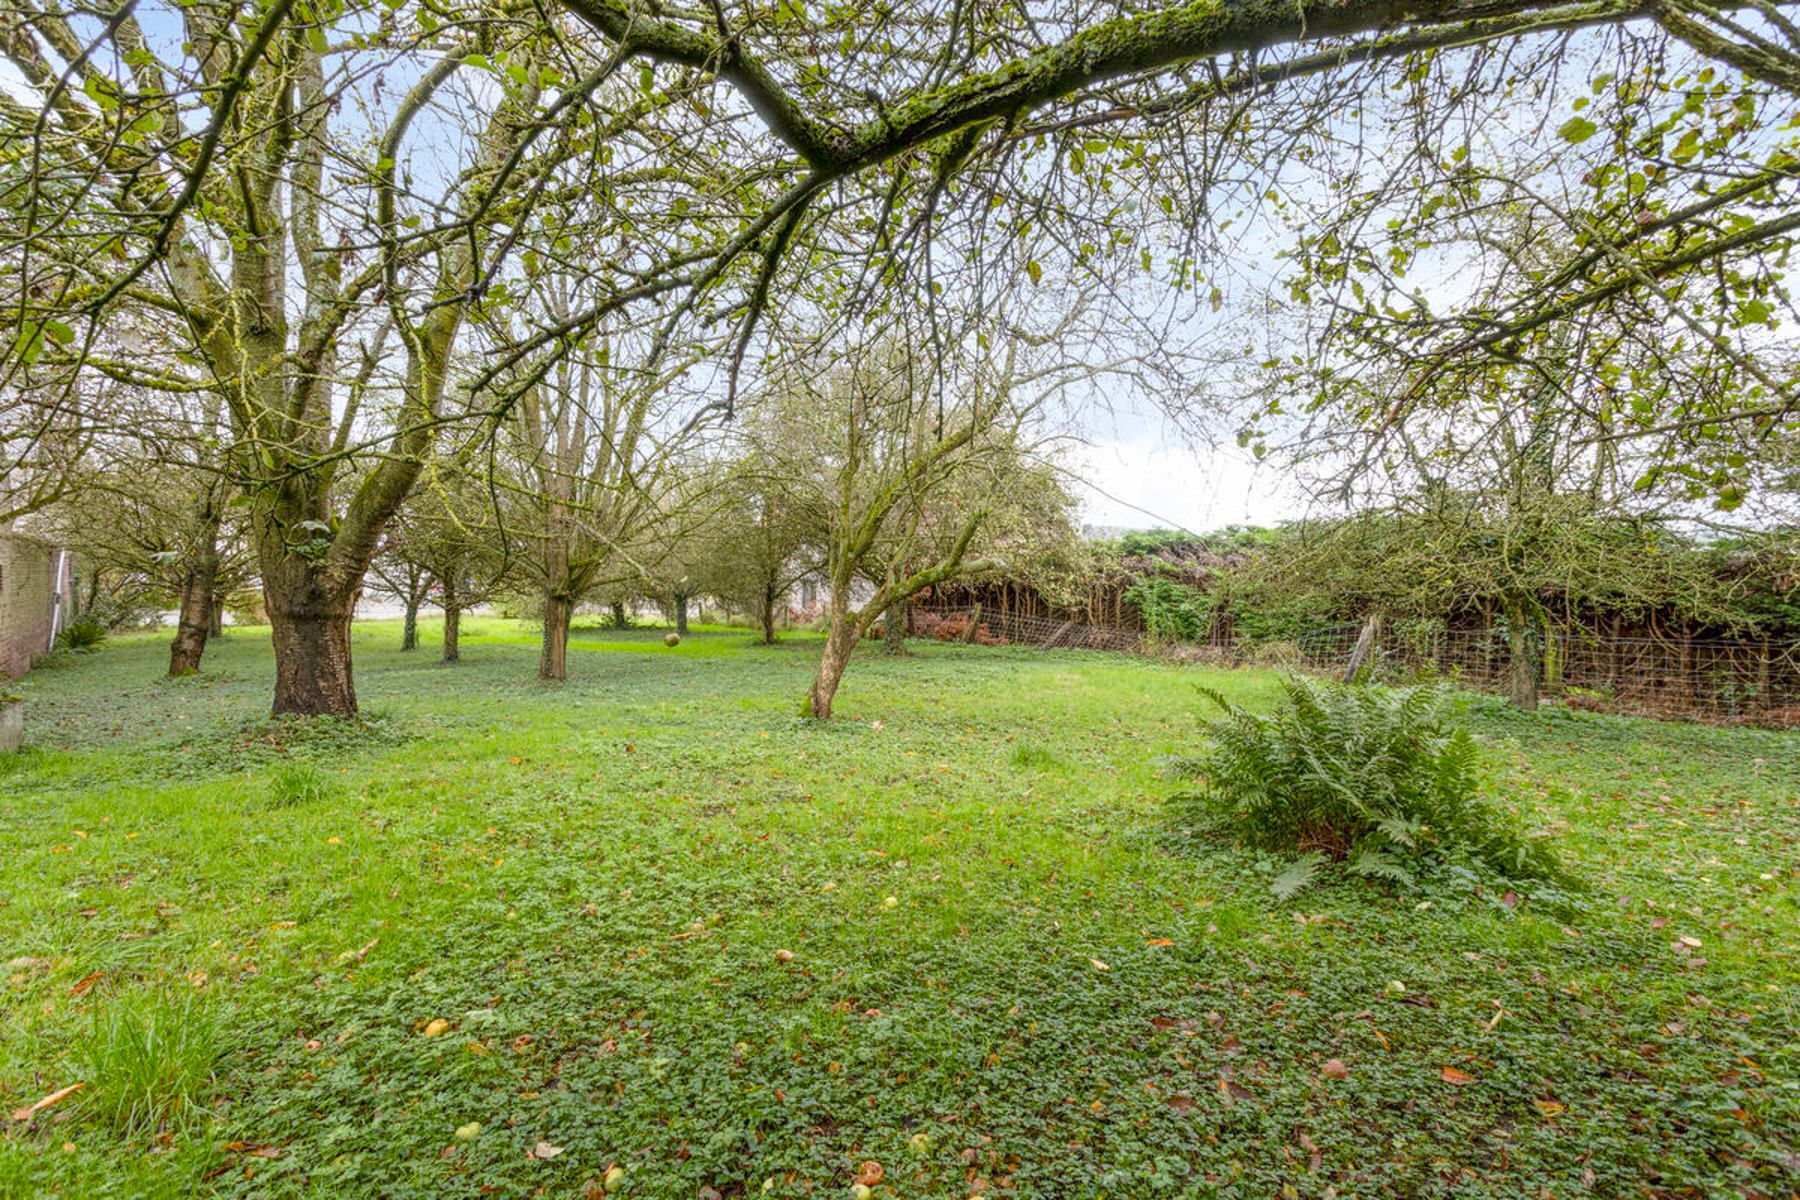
(27, 601)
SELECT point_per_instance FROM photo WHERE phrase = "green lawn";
(1008, 975)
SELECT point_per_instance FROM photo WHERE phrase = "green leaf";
(1577, 130)
(1034, 270)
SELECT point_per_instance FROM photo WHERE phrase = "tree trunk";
(196, 617)
(554, 662)
(768, 614)
(618, 614)
(681, 613)
(409, 634)
(310, 628)
(893, 636)
(452, 622)
(838, 644)
(194, 622)
(215, 615)
(1524, 668)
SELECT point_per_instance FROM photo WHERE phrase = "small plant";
(148, 1061)
(1380, 780)
(1034, 758)
(294, 784)
(85, 632)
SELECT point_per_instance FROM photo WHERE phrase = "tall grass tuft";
(148, 1060)
(293, 784)
(1381, 780)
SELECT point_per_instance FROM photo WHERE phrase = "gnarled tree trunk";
(619, 620)
(554, 661)
(310, 628)
(194, 623)
(409, 633)
(839, 642)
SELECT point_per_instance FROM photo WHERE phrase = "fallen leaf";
(545, 1150)
(252, 1149)
(1549, 1107)
(1098, 965)
(434, 1027)
(359, 955)
(1159, 942)
(469, 1132)
(50, 1101)
(86, 983)
(1451, 1075)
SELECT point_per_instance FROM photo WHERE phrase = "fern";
(1382, 780)
(1299, 873)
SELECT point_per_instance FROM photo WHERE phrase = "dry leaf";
(50, 1101)
(434, 1027)
(545, 1150)
(86, 983)
(1459, 1078)
(1159, 942)
(1549, 1107)
(1098, 965)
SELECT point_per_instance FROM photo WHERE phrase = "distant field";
(510, 935)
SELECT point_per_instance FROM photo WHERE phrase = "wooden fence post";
(1365, 642)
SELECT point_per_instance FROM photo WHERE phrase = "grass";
(516, 919)
(147, 1062)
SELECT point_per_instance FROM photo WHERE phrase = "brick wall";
(26, 601)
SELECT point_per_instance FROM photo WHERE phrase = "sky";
(1148, 483)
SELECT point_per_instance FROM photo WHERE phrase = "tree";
(444, 547)
(897, 481)
(590, 449)
(762, 537)
(129, 206)
(853, 160)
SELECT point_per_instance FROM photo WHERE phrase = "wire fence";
(1712, 680)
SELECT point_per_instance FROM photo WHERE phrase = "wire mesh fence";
(992, 627)
(1713, 680)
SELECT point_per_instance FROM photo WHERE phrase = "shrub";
(1171, 610)
(85, 632)
(1380, 780)
(148, 1061)
(298, 783)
